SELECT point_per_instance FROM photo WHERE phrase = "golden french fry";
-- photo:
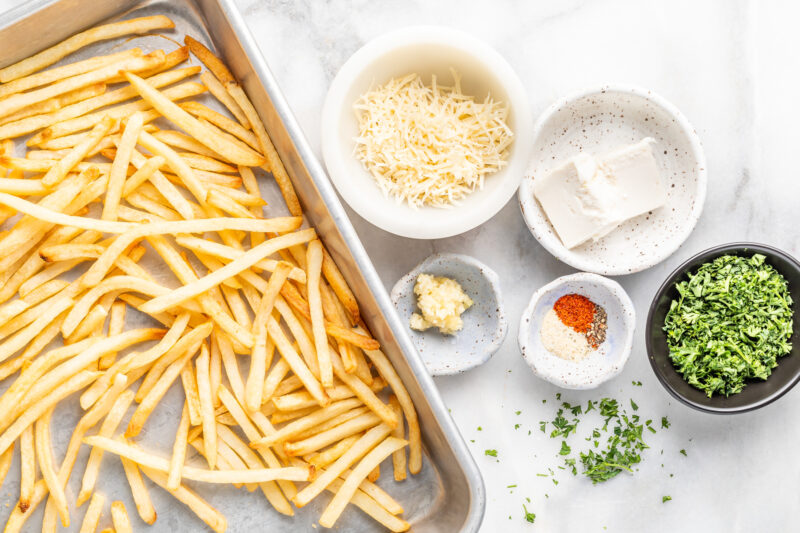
(27, 468)
(93, 513)
(179, 450)
(220, 121)
(44, 454)
(326, 438)
(313, 273)
(322, 459)
(107, 428)
(5, 463)
(116, 324)
(119, 517)
(47, 57)
(176, 163)
(360, 448)
(16, 102)
(258, 361)
(387, 371)
(349, 487)
(372, 508)
(237, 153)
(141, 497)
(119, 168)
(399, 456)
(207, 407)
(149, 461)
(213, 518)
(247, 260)
(176, 139)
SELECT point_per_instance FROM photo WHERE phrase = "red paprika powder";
(575, 311)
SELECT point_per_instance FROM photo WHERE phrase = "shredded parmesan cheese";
(430, 146)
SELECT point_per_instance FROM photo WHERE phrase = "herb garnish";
(731, 322)
(529, 517)
(492, 453)
(666, 499)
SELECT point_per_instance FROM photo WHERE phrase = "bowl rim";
(615, 288)
(679, 272)
(493, 280)
(481, 53)
(554, 245)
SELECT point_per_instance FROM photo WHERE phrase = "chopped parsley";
(517, 413)
(684, 453)
(665, 499)
(492, 453)
(516, 426)
(529, 517)
(664, 422)
(731, 323)
(636, 383)
(565, 450)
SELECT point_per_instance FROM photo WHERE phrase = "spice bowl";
(602, 363)
(485, 325)
(757, 393)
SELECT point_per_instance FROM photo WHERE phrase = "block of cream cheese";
(588, 197)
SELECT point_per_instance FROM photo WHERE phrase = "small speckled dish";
(601, 364)
(485, 323)
(597, 121)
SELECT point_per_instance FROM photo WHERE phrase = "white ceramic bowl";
(597, 121)
(424, 50)
(485, 324)
(601, 364)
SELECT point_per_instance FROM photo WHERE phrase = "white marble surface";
(731, 67)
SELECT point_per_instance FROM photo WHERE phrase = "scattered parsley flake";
(492, 453)
(516, 426)
(565, 450)
(529, 517)
(684, 452)
(665, 499)
(636, 383)
(517, 413)
(664, 422)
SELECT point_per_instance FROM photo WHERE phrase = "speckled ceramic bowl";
(596, 121)
(601, 364)
(485, 324)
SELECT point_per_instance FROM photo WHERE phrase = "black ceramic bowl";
(756, 393)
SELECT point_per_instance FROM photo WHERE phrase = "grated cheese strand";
(430, 146)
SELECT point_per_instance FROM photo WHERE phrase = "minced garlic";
(442, 301)
(430, 145)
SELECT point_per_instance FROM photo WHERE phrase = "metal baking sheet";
(448, 494)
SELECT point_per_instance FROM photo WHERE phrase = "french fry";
(358, 450)
(16, 102)
(322, 459)
(387, 371)
(180, 140)
(176, 163)
(326, 438)
(258, 361)
(76, 42)
(313, 272)
(247, 260)
(119, 168)
(213, 518)
(372, 508)
(107, 428)
(399, 456)
(93, 513)
(27, 468)
(116, 325)
(179, 451)
(349, 487)
(149, 461)
(158, 391)
(141, 497)
(205, 114)
(207, 407)
(237, 153)
(119, 517)
(44, 455)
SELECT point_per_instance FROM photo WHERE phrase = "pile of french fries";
(120, 165)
